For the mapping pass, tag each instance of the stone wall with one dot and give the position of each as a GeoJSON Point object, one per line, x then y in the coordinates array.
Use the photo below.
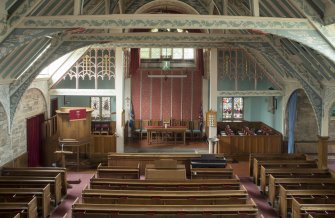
{"type": "Point", "coordinates": [6, 153]}
{"type": "Point", "coordinates": [32, 103]}
{"type": "Point", "coordinates": [306, 127]}
{"type": "Point", "coordinates": [331, 130]}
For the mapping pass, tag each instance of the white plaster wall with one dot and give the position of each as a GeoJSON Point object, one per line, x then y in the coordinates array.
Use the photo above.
{"type": "Point", "coordinates": [6, 153]}
{"type": "Point", "coordinates": [32, 103]}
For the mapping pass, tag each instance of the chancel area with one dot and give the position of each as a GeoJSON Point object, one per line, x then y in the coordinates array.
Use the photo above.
{"type": "Point", "coordinates": [176, 108]}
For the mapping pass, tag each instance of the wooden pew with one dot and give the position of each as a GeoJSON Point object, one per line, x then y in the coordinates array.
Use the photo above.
{"type": "Point", "coordinates": [212, 173]}
{"type": "Point", "coordinates": [260, 157]}
{"type": "Point", "coordinates": [304, 207]}
{"type": "Point", "coordinates": [42, 195]}
{"type": "Point", "coordinates": [131, 159]}
{"type": "Point", "coordinates": [37, 171]}
{"type": "Point", "coordinates": [294, 172]}
{"type": "Point", "coordinates": [309, 182]}
{"type": "Point", "coordinates": [25, 208]}
{"type": "Point", "coordinates": [286, 194]}
{"type": "Point", "coordinates": [213, 184]}
{"type": "Point", "coordinates": [4, 214]}
{"type": "Point", "coordinates": [86, 210]}
{"type": "Point", "coordinates": [320, 215]}
{"type": "Point", "coordinates": [154, 197]}
{"type": "Point", "coordinates": [121, 172]}
{"type": "Point", "coordinates": [26, 181]}
{"type": "Point", "coordinates": [279, 164]}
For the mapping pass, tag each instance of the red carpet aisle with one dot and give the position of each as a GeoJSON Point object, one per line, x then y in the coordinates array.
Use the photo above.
{"type": "Point", "coordinates": [254, 193]}
{"type": "Point", "coordinates": [72, 193]}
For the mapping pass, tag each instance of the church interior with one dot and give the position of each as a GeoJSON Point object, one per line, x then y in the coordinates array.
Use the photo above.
{"type": "Point", "coordinates": [167, 108]}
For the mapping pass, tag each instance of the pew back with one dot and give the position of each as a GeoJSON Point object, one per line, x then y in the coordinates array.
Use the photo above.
{"type": "Point", "coordinates": [37, 171]}
{"type": "Point", "coordinates": [279, 164]}
{"type": "Point", "coordinates": [213, 184]}
{"type": "Point", "coordinates": [42, 194]}
{"type": "Point", "coordinates": [274, 184]}
{"type": "Point", "coordinates": [286, 194]}
{"type": "Point", "coordinates": [290, 172]}
{"type": "Point", "coordinates": [85, 210]}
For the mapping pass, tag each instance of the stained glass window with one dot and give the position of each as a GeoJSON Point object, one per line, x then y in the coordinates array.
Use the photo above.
{"type": "Point", "coordinates": [101, 107]}
{"type": "Point", "coordinates": [238, 108]}
{"type": "Point", "coordinates": [106, 107]}
{"type": "Point", "coordinates": [232, 108]}
{"type": "Point", "coordinates": [95, 105]}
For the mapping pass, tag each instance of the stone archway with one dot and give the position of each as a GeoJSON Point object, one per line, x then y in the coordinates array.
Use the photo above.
{"type": "Point", "coordinates": [32, 103]}
{"type": "Point", "coordinates": [6, 153]}
{"type": "Point", "coordinates": [306, 128]}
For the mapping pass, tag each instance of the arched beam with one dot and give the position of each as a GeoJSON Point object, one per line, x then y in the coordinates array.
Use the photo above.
{"type": "Point", "coordinates": [21, 37]}
{"type": "Point", "coordinates": [18, 88]}
{"type": "Point", "coordinates": [17, 17]}
{"type": "Point", "coordinates": [297, 29]}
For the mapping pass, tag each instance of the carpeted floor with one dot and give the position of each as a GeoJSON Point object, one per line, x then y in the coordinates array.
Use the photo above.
{"type": "Point", "coordinates": [72, 193]}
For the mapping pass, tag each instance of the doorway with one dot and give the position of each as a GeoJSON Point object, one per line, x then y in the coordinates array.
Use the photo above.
{"type": "Point", "coordinates": [34, 140]}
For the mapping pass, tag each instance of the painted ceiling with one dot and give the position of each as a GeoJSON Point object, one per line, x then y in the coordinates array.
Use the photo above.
{"type": "Point", "coordinates": [300, 45]}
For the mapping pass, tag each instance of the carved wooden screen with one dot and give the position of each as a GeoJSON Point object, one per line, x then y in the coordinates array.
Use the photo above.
{"type": "Point", "coordinates": [94, 70]}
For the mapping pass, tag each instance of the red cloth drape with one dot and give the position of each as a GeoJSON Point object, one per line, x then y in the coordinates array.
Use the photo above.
{"type": "Point", "coordinates": [200, 61]}
{"type": "Point", "coordinates": [134, 60]}
{"type": "Point", "coordinates": [34, 139]}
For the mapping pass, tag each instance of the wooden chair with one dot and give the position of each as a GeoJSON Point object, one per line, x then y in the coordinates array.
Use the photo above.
{"type": "Point", "coordinates": [196, 131]}
{"type": "Point", "coordinates": [156, 135]}
{"type": "Point", "coordinates": [167, 121]}
{"type": "Point", "coordinates": [105, 128]}
{"type": "Point", "coordinates": [176, 122]}
{"type": "Point", "coordinates": [96, 129]}
{"type": "Point", "coordinates": [187, 123]}
{"type": "Point", "coordinates": [137, 128]}
{"type": "Point", "coordinates": [144, 124]}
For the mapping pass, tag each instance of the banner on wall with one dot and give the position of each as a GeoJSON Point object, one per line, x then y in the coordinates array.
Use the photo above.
{"type": "Point", "coordinates": [77, 114]}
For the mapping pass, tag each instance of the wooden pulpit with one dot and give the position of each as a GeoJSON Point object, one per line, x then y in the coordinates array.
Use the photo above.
{"type": "Point", "coordinates": [74, 127]}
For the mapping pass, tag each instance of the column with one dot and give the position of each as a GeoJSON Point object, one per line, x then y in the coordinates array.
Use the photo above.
{"type": "Point", "coordinates": [127, 98]}
{"type": "Point", "coordinates": [205, 100]}
{"type": "Point", "coordinates": [119, 89]}
{"type": "Point", "coordinates": [213, 75]}
{"type": "Point", "coordinates": [323, 152]}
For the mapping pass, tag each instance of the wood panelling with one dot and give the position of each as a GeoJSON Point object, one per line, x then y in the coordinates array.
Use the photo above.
{"type": "Point", "coordinates": [20, 161]}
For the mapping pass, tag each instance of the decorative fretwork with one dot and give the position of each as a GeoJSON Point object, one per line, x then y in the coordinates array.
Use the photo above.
{"type": "Point", "coordinates": [96, 63]}
{"type": "Point", "coordinates": [237, 64]}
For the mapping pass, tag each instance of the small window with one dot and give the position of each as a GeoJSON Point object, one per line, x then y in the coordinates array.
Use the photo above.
{"type": "Point", "coordinates": [232, 108]}
{"type": "Point", "coordinates": [155, 53]}
{"type": "Point", "coordinates": [177, 53]}
{"type": "Point", "coordinates": [188, 53]}
{"type": "Point", "coordinates": [145, 53]}
{"type": "Point", "coordinates": [168, 53]}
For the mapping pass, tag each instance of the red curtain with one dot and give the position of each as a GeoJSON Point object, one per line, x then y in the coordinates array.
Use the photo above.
{"type": "Point", "coordinates": [200, 61]}
{"type": "Point", "coordinates": [134, 60]}
{"type": "Point", "coordinates": [34, 139]}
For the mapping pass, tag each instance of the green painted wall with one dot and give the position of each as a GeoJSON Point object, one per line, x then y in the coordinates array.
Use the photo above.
{"type": "Point", "coordinates": [82, 101]}
{"type": "Point", "coordinates": [256, 109]}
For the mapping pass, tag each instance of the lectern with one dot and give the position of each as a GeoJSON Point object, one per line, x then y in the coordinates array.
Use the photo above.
{"type": "Point", "coordinates": [74, 127]}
